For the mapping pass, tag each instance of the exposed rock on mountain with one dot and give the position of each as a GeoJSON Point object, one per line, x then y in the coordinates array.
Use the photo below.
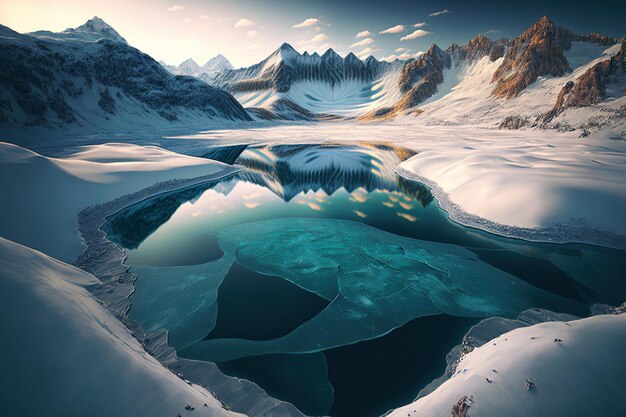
{"type": "Point", "coordinates": [93, 30]}
{"type": "Point", "coordinates": [419, 78]}
{"type": "Point", "coordinates": [590, 88]}
{"type": "Point", "coordinates": [537, 52]}
{"type": "Point", "coordinates": [78, 82]}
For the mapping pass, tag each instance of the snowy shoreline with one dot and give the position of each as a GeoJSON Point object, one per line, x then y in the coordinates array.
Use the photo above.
{"type": "Point", "coordinates": [572, 231]}
{"type": "Point", "coordinates": [106, 261]}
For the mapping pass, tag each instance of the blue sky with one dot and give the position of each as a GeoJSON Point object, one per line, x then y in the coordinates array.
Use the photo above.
{"type": "Point", "coordinates": [245, 31]}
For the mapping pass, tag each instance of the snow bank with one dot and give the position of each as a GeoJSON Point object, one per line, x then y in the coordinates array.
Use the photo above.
{"type": "Point", "coordinates": [576, 368]}
{"type": "Point", "coordinates": [65, 354]}
{"type": "Point", "coordinates": [43, 196]}
{"type": "Point", "coordinates": [528, 184]}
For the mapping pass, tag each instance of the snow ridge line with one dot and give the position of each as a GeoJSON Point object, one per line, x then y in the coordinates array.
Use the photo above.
{"type": "Point", "coordinates": [575, 230]}
{"type": "Point", "coordinates": [105, 260]}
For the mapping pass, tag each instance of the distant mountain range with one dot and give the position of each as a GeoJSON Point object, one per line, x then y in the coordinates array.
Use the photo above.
{"type": "Point", "coordinates": [548, 77]}
{"type": "Point", "coordinates": [90, 78]}
{"type": "Point", "coordinates": [485, 81]}
{"type": "Point", "coordinates": [205, 72]}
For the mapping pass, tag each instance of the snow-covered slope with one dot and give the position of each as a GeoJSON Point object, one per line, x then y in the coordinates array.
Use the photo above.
{"type": "Point", "coordinates": [554, 369]}
{"type": "Point", "coordinates": [100, 86]}
{"type": "Point", "coordinates": [465, 96]}
{"type": "Point", "coordinates": [526, 84]}
{"type": "Point", "coordinates": [65, 354]}
{"type": "Point", "coordinates": [43, 196]}
{"type": "Point", "coordinates": [527, 183]}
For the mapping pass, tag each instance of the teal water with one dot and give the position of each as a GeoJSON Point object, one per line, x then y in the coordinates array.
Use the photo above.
{"type": "Point", "coordinates": [318, 273]}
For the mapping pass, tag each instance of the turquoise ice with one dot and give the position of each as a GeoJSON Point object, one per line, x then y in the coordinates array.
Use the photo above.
{"type": "Point", "coordinates": [181, 299]}
{"type": "Point", "coordinates": [376, 281]}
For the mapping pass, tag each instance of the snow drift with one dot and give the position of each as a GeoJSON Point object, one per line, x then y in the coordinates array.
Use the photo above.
{"type": "Point", "coordinates": [65, 354]}
{"type": "Point", "coordinates": [550, 369]}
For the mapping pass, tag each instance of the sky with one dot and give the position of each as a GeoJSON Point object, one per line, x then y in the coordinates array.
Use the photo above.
{"type": "Point", "coordinates": [247, 31]}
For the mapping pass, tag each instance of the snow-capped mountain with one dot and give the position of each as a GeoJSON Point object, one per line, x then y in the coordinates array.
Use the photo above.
{"type": "Point", "coordinates": [99, 85]}
{"type": "Point", "coordinates": [548, 76]}
{"type": "Point", "coordinates": [205, 72]}
{"type": "Point", "coordinates": [93, 30]}
{"type": "Point", "coordinates": [547, 71]}
{"type": "Point", "coordinates": [294, 85]}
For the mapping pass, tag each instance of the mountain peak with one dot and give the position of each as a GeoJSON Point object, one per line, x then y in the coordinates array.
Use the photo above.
{"type": "Point", "coordinates": [286, 47]}
{"type": "Point", "coordinates": [330, 54]}
{"type": "Point", "coordinates": [97, 26]}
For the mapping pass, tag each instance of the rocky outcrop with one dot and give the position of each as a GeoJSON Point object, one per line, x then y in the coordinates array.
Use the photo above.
{"type": "Point", "coordinates": [589, 88]}
{"type": "Point", "coordinates": [419, 78]}
{"type": "Point", "coordinates": [513, 122]}
{"type": "Point", "coordinates": [479, 47]}
{"type": "Point", "coordinates": [536, 52]}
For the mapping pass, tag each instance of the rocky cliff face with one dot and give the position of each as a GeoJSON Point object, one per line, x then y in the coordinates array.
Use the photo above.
{"type": "Point", "coordinates": [536, 52]}
{"type": "Point", "coordinates": [54, 83]}
{"type": "Point", "coordinates": [419, 78]}
{"type": "Point", "coordinates": [590, 88]}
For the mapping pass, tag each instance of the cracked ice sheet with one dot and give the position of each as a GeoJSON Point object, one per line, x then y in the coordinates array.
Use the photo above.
{"type": "Point", "coordinates": [377, 281]}
{"type": "Point", "coordinates": [181, 299]}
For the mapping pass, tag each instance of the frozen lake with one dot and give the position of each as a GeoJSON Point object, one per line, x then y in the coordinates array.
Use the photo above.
{"type": "Point", "coordinates": [325, 278]}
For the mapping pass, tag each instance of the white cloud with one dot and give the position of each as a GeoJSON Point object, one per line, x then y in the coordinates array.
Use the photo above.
{"type": "Point", "coordinates": [187, 20]}
{"type": "Point", "coordinates": [419, 24]}
{"type": "Point", "coordinates": [493, 31]}
{"type": "Point", "coordinates": [419, 33]}
{"type": "Point", "coordinates": [394, 29]}
{"type": "Point", "coordinates": [175, 8]}
{"type": "Point", "coordinates": [204, 17]}
{"type": "Point", "coordinates": [366, 52]}
{"type": "Point", "coordinates": [312, 21]}
{"type": "Point", "coordinates": [252, 33]}
{"type": "Point", "coordinates": [440, 12]}
{"type": "Point", "coordinates": [363, 42]}
{"type": "Point", "coordinates": [242, 23]}
{"type": "Point", "coordinates": [404, 57]}
{"type": "Point", "coordinates": [320, 37]}
{"type": "Point", "coordinates": [401, 50]}
{"type": "Point", "coordinates": [363, 34]}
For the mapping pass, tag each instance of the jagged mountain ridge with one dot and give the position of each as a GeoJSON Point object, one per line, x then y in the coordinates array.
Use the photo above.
{"type": "Point", "coordinates": [65, 82]}
{"type": "Point", "coordinates": [286, 66]}
{"type": "Point", "coordinates": [290, 85]}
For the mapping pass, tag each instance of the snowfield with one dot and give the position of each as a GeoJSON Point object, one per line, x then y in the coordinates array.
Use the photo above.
{"type": "Point", "coordinates": [65, 354]}
{"type": "Point", "coordinates": [43, 196]}
{"type": "Point", "coordinates": [576, 368]}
